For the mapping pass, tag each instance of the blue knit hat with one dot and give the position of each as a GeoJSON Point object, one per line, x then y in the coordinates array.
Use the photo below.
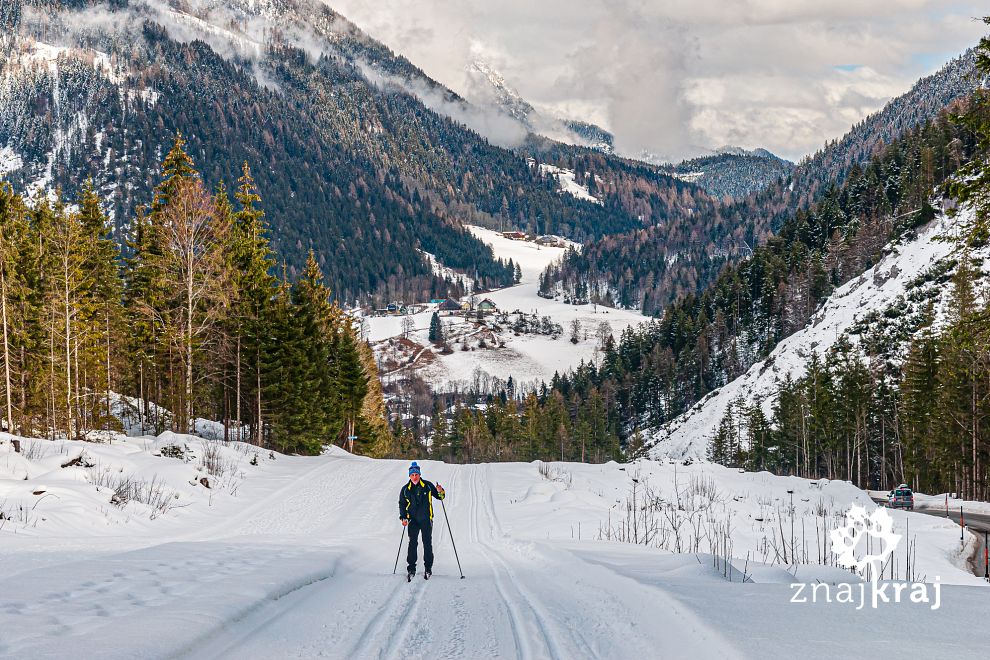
{"type": "Point", "coordinates": [413, 469]}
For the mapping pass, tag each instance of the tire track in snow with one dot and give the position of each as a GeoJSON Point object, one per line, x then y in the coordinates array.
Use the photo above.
{"type": "Point", "coordinates": [458, 595]}
{"type": "Point", "coordinates": [515, 621]}
{"type": "Point", "coordinates": [454, 645]}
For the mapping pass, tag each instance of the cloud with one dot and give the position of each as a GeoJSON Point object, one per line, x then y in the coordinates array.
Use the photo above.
{"type": "Point", "coordinates": [677, 76]}
{"type": "Point", "coordinates": [243, 33]}
{"type": "Point", "coordinates": [497, 127]}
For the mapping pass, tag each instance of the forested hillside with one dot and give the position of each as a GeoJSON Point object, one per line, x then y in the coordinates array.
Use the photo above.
{"type": "Point", "coordinates": [904, 395]}
{"type": "Point", "coordinates": [652, 267]}
{"type": "Point", "coordinates": [647, 377]}
{"type": "Point", "coordinates": [734, 174]}
{"type": "Point", "coordinates": [362, 156]}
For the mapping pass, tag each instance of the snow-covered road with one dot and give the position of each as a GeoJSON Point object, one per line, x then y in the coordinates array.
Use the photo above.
{"type": "Point", "coordinates": [296, 566]}
{"type": "Point", "coordinates": [515, 601]}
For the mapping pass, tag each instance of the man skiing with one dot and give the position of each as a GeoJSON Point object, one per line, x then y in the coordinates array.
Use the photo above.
{"type": "Point", "coordinates": [416, 514]}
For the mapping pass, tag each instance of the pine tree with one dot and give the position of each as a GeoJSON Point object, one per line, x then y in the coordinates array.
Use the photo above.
{"type": "Point", "coordinates": [758, 455]}
{"type": "Point", "coordinates": [972, 186]}
{"type": "Point", "coordinates": [254, 285]}
{"type": "Point", "coordinates": [922, 460]}
{"type": "Point", "coordinates": [376, 438]}
{"type": "Point", "coordinates": [102, 311]}
{"type": "Point", "coordinates": [436, 329]}
{"type": "Point", "coordinates": [291, 385]}
{"type": "Point", "coordinates": [352, 381]}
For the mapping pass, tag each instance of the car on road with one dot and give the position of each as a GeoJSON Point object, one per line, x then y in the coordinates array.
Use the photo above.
{"type": "Point", "coordinates": [901, 498]}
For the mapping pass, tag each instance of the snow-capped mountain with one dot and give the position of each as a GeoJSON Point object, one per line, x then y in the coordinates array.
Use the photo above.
{"type": "Point", "coordinates": [489, 87]}
{"type": "Point", "coordinates": [740, 151]}
{"type": "Point", "coordinates": [96, 90]}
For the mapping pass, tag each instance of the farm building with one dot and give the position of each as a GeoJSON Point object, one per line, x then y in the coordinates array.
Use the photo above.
{"type": "Point", "coordinates": [450, 305]}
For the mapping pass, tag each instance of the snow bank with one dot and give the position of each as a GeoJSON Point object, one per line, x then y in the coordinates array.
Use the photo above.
{"type": "Point", "coordinates": [9, 160]}
{"type": "Point", "coordinates": [290, 559]}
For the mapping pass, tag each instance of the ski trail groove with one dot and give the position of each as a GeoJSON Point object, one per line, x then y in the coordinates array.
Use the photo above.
{"type": "Point", "coordinates": [510, 591]}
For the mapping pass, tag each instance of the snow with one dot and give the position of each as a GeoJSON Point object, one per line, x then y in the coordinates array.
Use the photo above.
{"type": "Point", "coordinates": [568, 183]}
{"type": "Point", "coordinates": [690, 177]}
{"type": "Point", "coordinates": [448, 273]}
{"type": "Point", "coordinates": [527, 358]}
{"type": "Point", "coordinates": [49, 55]}
{"type": "Point", "coordinates": [874, 290]}
{"type": "Point", "coordinates": [220, 37]}
{"type": "Point", "coordinates": [9, 160]}
{"type": "Point", "coordinates": [289, 558]}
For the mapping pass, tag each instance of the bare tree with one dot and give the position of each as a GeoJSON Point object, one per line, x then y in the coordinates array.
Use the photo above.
{"type": "Point", "coordinates": [194, 265]}
{"type": "Point", "coordinates": [408, 326]}
{"type": "Point", "coordinates": [602, 334]}
{"type": "Point", "coordinates": [575, 331]}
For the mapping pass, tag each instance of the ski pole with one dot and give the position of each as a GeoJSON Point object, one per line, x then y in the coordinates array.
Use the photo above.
{"type": "Point", "coordinates": [444, 506]}
{"type": "Point", "coordinates": [399, 551]}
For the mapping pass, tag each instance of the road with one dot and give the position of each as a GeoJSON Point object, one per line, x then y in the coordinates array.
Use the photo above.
{"type": "Point", "coordinates": [977, 523]}
{"type": "Point", "coordinates": [297, 567]}
{"type": "Point", "coordinates": [512, 604]}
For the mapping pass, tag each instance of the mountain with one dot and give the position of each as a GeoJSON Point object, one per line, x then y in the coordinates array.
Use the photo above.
{"type": "Point", "coordinates": [489, 87]}
{"type": "Point", "coordinates": [727, 172]}
{"type": "Point", "coordinates": [651, 267]}
{"type": "Point", "coordinates": [856, 279]}
{"type": "Point", "coordinates": [358, 155]}
{"type": "Point", "coordinates": [733, 172]}
{"type": "Point", "coordinates": [911, 275]}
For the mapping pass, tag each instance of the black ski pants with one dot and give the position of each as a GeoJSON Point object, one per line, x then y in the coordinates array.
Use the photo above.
{"type": "Point", "coordinates": [414, 528]}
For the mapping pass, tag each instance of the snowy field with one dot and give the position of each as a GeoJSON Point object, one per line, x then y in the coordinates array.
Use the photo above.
{"type": "Point", "coordinates": [887, 283]}
{"type": "Point", "coordinates": [527, 358]}
{"type": "Point", "coordinates": [287, 557]}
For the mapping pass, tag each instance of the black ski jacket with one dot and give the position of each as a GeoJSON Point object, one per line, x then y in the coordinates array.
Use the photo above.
{"type": "Point", "coordinates": [416, 502]}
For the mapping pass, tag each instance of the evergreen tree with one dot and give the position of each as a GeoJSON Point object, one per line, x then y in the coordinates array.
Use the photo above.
{"type": "Point", "coordinates": [436, 329]}
{"type": "Point", "coordinates": [254, 285]}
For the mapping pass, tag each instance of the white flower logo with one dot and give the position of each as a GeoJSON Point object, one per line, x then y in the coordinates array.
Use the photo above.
{"type": "Point", "coordinates": [858, 524]}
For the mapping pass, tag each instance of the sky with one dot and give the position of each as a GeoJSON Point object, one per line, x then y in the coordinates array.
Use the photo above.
{"type": "Point", "coordinates": [678, 77]}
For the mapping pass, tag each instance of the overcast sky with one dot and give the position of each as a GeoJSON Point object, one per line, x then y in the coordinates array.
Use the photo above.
{"type": "Point", "coordinates": [676, 77]}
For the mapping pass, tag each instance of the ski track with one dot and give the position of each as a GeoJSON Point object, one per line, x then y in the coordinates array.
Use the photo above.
{"type": "Point", "coordinates": [510, 605]}
{"type": "Point", "coordinates": [514, 594]}
{"type": "Point", "coordinates": [522, 598]}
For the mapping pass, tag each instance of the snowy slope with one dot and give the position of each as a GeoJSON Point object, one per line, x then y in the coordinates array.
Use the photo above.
{"type": "Point", "coordinates": [528, 358]}
{"type": "Point", "coordinates": [568, 184]}
{"type": "Point", "coordinates": [9, 160]}
{"type": "Point", "coordinates": [290, 559]}
{"type": "Point", "coordinates": [883, 285]}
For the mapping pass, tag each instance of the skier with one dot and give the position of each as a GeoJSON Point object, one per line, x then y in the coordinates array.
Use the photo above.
{"type": "Point", "coordinates": [416, 514]}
